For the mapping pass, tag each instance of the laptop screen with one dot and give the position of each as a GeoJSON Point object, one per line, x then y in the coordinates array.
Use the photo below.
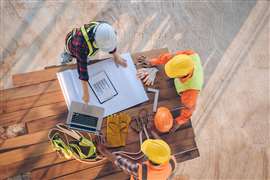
{"type": "Point", "coordinates": [85, 120]}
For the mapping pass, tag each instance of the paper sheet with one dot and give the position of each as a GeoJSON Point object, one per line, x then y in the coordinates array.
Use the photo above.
{"type": "Point", "coordinates": [129, 91]}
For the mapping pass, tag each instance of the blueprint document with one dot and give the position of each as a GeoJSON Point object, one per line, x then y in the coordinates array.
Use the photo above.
{"type": "Point", "coordinates": [111, 87]}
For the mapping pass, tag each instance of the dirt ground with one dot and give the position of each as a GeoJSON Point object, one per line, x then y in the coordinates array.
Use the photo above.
{"type": "Point", "coordinates": [232, 118]}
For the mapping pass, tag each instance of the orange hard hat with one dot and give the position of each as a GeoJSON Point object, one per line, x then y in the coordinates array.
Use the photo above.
{"type": "Point", "coordinates": [163, 119]}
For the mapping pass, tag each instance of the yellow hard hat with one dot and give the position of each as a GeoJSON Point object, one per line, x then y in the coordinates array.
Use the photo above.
{"type": "Point", "coordinates": [156, 150]}
{"type": "Point", "coordinates": [179, 66]}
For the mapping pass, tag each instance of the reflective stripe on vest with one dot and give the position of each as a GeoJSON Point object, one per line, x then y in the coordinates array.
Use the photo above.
{"type": "Point", "coordinates": [196, 81]}
{"type": "Point", "coordinates": [68, 38]}
{"type": "Point", "coordinates": [90, 43]}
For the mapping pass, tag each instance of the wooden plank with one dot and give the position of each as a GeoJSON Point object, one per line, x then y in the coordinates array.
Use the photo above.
{"type": "Point", "coordinates": [25, 153]}
{"type": "Point", "coordinates": [64, 168]}
{"type": "Point", "coordinates": [50, 73]}
{"type": "Point", "coordinates": [33, 101]}
{"type": "Point", "coordinates": [92, 173]}
{"type": "Point", "coordinates": [45, 123]}
{"type": "Point", "coordinates": [118, 175]}
{"type": "Point", "coordinates": [184, 136]}
{"type": "Point", "coordinates": [30, 164]}
{"type": "Point", "coordinates": [32, 114]}
{"type": "Point", "coordinates": [24, 140]}
{"type": "Point", "coordinates": [31, 90]}
{"type": "Point", "coordinates": [30, 78]}
{"type": "Point", "coordinates": [187, 156]}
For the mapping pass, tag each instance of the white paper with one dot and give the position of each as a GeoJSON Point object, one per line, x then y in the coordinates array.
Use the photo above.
{"type": "Point", "coordinates": [130, 90]}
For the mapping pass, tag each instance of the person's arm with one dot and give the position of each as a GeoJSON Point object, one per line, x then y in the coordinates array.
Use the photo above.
{"type": "Point", "coordinates": [123, 163]}
{"type": "Point", "coordinates": [102, 149]}
{"type": "Point", "coordinates": [161, 60]}
{"type": "Point", "coordinates": [188, 100]}
{"type": "Point", "coordinates": [164, 58]}
{"type": "Point", "coordinates": [85, 91]}
{"type": "Point", "coordinates": [83, 76]}
{"type": "Point", "coordinates": [117, 58]}
{"type": "Point", "coordinates": [187, 52]}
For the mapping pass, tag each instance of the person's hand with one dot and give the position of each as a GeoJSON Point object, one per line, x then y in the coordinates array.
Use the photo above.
{"type": "Point", "coordinates": [119, 60]}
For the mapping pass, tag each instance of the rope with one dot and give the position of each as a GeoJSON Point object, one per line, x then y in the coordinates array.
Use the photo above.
{"type": "Point", "coordinates": [76, 135]}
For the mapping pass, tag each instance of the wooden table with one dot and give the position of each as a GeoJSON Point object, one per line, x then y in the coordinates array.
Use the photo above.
{"type": "Point", "coordinates": [37, 101]}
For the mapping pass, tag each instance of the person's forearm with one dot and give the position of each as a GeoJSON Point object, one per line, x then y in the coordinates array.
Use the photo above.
{"type": "Point", "coordinates": [85, 92]}
{"type": "Point", "coordinates": [84, 86]}
{"type": "Point", "coordinates": [110, 156]}
{"type": "Point", "coordinates": [188, 100]}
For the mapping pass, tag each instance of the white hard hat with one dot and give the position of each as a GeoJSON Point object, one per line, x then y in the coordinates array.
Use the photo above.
{"type": "Point", "coordinates": [105, 37]}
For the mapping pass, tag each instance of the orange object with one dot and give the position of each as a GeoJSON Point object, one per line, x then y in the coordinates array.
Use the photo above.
{"type": "Point", "coordinates": [187, 52]}
{"type": "Point", "coordinates": [148, 171]}
{"type": "Point", "coordinates": [163, 119]}
{"type": "Point", "coordinates": [188, 99]}
{"type": "Point", "coordinates": [162, 59]}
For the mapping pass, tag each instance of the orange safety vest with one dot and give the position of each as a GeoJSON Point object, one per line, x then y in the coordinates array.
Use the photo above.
{"type": "Point", "coordinates": [147, 171]}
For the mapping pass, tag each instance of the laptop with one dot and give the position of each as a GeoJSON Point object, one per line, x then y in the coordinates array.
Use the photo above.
{"type": "Point", "coordinates": [84, 117]}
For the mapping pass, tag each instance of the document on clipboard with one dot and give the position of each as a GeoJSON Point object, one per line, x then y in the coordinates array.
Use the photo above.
{"type": "Point", "coordinates": [102, 87]}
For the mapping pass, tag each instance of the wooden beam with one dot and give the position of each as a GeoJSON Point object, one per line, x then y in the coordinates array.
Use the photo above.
{"type": "Point", "coordinates": [35, 77]}
{"type": "Point", "coordinates": [32, 101]}
{"type": "Point", "coordinates": [22, 154]}
{"type": "Point", "coordinates": [31, 90]}
{"type": "Point", "coordinates": [118, 175]}
{"type": "Point", "coordinates": [24, 140]}
{"type": "Point", "coordinates": [32, 114]}
{"type": "Point", "coordinates": [45, 123]}
{"type": "Point", "coordinates": [29, 164]}
{"type": "Point", "coordinates": [65, 168]}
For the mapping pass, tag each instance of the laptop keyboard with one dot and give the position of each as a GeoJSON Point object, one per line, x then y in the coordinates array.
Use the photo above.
{"type": "Point", "coordinates": [85, 120]}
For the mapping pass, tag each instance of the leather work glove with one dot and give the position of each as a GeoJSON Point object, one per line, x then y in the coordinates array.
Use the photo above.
{"type": "Point", "coordinates": [117, 129]}
{"type": "Point", "coordinates": [147, 75]}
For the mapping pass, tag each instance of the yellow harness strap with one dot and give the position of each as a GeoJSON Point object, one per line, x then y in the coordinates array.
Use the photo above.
{"type": "Point", "coordinates": [86, 38]}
